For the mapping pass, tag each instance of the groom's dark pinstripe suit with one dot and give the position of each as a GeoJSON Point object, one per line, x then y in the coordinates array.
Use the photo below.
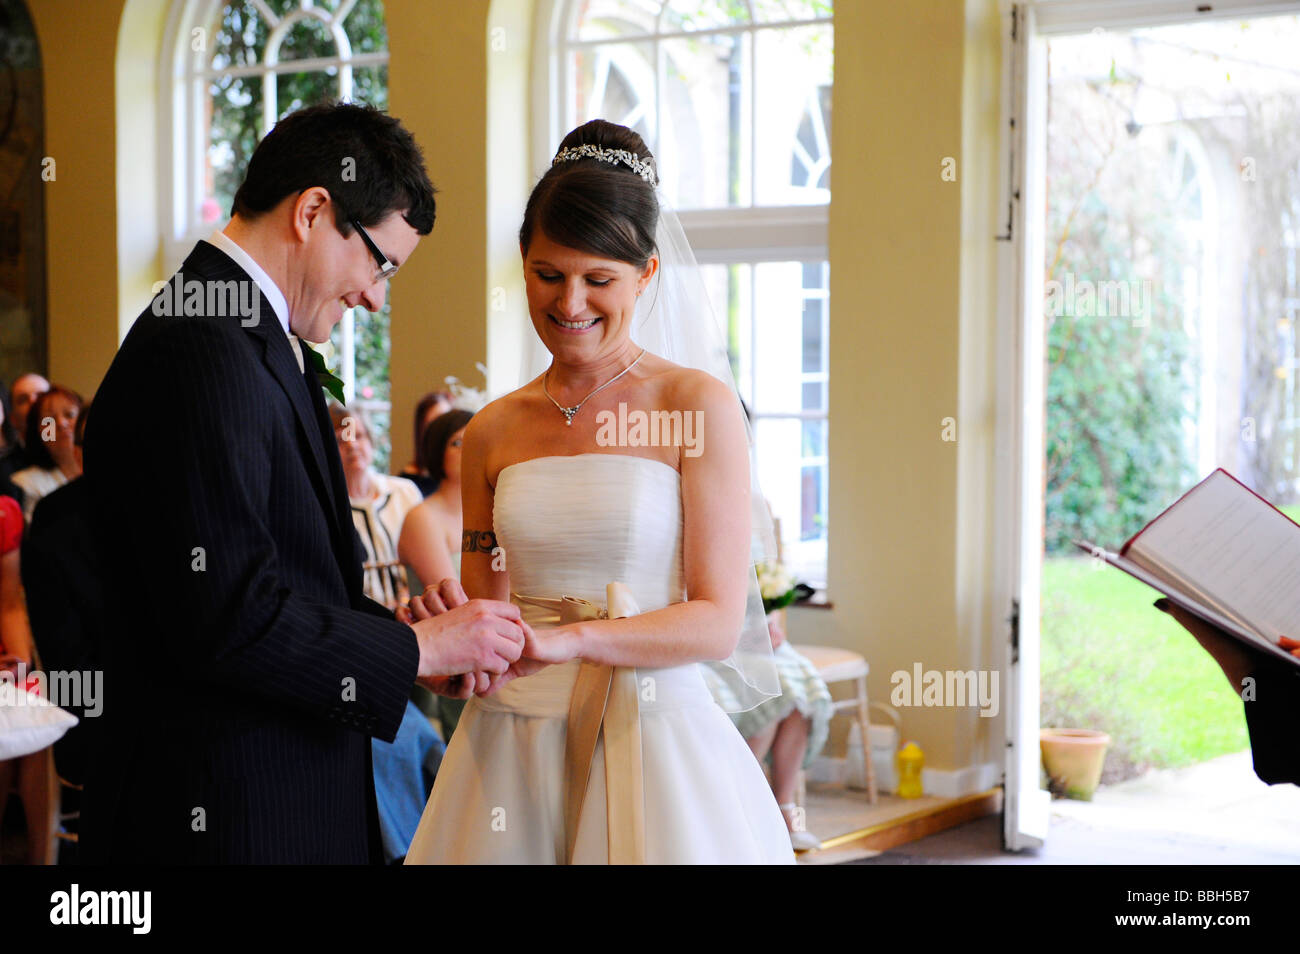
{"type": "Point", "coordinates": [244, 678]}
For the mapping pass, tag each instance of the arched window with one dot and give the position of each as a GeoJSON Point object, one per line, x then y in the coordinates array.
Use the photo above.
{"type": "Point", "coordinates": [734, 98]}
{"type": "Point", "coordinates": [233, 70]}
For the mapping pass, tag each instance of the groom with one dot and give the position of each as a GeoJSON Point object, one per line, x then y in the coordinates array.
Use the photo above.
{"type": "Point", "coordinates": [245, 670]}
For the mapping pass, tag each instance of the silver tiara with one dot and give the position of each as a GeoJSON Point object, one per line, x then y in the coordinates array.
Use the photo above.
{"type": "Point", "coordinates": [645, 169]}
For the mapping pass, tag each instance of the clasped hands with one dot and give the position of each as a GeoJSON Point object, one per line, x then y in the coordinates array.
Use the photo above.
{"type": "Point", "coordinates": [470, 647]}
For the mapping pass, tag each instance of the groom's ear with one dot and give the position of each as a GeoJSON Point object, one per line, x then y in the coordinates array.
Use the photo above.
{"type": "Point", "coordinates": [310, 209]}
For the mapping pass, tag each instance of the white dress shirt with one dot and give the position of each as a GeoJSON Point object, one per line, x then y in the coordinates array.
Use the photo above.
{"type": "Point", "coordinates": [268, 288]}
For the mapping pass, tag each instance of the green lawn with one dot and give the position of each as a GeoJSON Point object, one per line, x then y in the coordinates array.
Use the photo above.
{"type": "Point", "coordinates": [1113, 662]}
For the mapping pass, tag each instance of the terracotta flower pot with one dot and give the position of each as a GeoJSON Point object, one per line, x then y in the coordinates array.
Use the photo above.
{"type": "Point", "coordinates": [1073, 760]}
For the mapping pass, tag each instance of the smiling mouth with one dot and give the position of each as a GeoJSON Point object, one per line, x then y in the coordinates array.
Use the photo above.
{"type": "Point", "coordinates": [574, 325]}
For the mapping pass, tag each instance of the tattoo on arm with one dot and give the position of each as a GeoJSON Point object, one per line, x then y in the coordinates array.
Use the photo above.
{"type": "Point", "coordinates": [478, 541]}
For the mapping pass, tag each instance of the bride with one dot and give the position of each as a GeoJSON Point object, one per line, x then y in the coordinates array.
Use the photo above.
{"type": "Point", "coordinates": [629, 556]}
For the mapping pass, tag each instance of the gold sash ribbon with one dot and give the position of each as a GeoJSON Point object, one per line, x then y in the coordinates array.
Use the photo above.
{"type": "Point", "coordinates": [604, 700]}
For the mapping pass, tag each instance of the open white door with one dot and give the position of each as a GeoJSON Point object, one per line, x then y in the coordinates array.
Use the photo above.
{"type": "Point", "coordinates": [1021, 354]}
{"type": "Point", "coordinates": [1026, 806]}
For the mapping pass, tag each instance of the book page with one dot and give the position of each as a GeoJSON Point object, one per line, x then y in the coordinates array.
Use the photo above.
{"type": "Point", "coordinates": [1233, 547]}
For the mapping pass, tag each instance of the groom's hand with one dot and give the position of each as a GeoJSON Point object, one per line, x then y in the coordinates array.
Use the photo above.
{"type": "Point", "coordinates": [476, 636]}
{"type": "Point", "coordinates": [434, 601]}
{"type": "Point", "coordinates": [534, 658]}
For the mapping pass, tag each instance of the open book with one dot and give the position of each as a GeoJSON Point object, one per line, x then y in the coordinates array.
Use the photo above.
{"type": "Point", "coordinates": [1226, 554]}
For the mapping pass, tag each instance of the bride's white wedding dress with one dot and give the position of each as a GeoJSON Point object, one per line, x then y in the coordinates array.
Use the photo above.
{"type": "Point", "coordinates": [568, 526]}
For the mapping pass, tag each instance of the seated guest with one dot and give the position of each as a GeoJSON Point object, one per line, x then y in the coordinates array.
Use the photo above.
{"type": "Point", "coordinates": [432, 405]}
{"type": "Point", "coordinates": [35, 772]}
{"type": "Point", "coordinates": [26, 389]}
{"type": "Point", "coordinates": [791, 727]}
{"type": "Point", "coordinates": [65, 600]}
{"type": "Point", "coordinates": [430, 539]}
{"type": "Point", "coordinates": [51, 446]}
{"type": "Point", "coordinates": [379, 505]}
{"type": "Point", "coordinates": [1272, 703]}
{"type": "Point", "coordinates": [404, 769]}
{"type": "Point", "coordinates": [12, 457]}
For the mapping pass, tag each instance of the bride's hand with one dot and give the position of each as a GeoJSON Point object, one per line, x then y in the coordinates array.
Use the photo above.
{"type": "Point", "coordinates": [558, 645]}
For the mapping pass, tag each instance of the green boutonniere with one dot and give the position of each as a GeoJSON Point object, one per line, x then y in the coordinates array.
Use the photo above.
{"type": "Point", "coordinates": [327, 379]}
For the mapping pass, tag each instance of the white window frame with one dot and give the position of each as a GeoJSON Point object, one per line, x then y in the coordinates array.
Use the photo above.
{"type": "Point", "coordinates": [745, 235]}
{"type": "Point", "coordinates": [183, 107]}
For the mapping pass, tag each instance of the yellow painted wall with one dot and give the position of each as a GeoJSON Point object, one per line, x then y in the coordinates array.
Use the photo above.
{"type": "Point", "coordinates": [910, 552]}
{"type": "Point", "coordinates": [437, 86]}
{"type": "Point", "coordinates": [912, 315]}
{"type": "Point", "coordinates": [78, 49]}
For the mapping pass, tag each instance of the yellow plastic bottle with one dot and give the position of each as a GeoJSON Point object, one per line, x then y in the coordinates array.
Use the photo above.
{"type": "Point", "coordinates": [909, 761]}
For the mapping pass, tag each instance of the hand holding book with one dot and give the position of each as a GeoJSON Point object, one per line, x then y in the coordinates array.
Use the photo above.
{"type": "Point", "coordinates": [1224, 556]}
{"type": "Point", "coordinates": [1228, 563]}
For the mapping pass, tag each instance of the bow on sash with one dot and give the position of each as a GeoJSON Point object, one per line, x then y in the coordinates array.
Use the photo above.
{"type": "Point", "coordinates": [604, 700]}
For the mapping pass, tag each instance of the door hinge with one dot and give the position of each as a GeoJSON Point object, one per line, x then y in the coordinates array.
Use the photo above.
{"type": "Point", "coordinates": [1014, 620]}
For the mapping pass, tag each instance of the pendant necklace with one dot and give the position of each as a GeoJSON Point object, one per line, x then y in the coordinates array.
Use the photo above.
{"type": "Point", "coordinates": [568, 412]}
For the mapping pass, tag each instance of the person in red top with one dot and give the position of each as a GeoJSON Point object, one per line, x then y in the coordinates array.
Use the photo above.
{"type": "Point", "coordinates": [36, 779]}
{"type": "Point", "coordinates": [15, 633]}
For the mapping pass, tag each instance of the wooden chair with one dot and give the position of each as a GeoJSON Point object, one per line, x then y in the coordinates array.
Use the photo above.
{"type": "Point", "coordinates": [843, 665]}
{"type": "Point", "coordinates": [394, 569]}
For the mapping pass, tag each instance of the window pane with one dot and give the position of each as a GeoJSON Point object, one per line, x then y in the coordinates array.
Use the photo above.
{"type": "Point", "coordinates": [308, 37]}
{"type": "Point", "coordinates": [704, 149]}
{"type": "Point", "coordinates": [604, 19]}
{"type": "Point", "coordinates": [370, 86]}
{"type": "Point", "coordinates": [232, 136]}
{"type": "Point", "coordinates": [776, 445]}
{"type": "Point", "coordinates": [778, 337]}
{"type": "Point", "coordinates": [812, 275]}
{"type": "Point", "coordinates": [814, 439]}
{"type": "Point", "coordinates": [296, 90]}
{"type": "Point", "coordinates": [615, 82]}
{"type": "Point", "coordinates": [813, 348]}
{"type": "Point", "coordinates": [765, 308]}
{"type": "Point", "coordinates": [792, 136]}
{"type": "Point", "coordinates": [365, 27]}
{"type": "Point", "coordinates": [702, 14]}
{"type": "Point", "coordinates": [812, 512]}
{"type": "Point", "coordinates": [779, 11]}
{"type": "Point", "coordinates": [240, 35]}
{"type": "Point", "coordinates": [728, 288]}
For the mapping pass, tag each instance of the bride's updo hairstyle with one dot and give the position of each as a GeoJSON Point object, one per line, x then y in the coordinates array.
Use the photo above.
{"type": "Point", "coordinates": [593, 205]}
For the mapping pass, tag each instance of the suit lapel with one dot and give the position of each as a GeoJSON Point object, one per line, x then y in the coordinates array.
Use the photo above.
{"type": "Point", "coordinates": [346, 543]}
{"type": "Point", "coordinates": [277, 354]}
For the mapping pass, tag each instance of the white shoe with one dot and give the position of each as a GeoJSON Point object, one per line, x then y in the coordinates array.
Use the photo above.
{"type": "Point", "coordinates": [804, 841]}
{"type": "Point", "coordinates": [799, 840]}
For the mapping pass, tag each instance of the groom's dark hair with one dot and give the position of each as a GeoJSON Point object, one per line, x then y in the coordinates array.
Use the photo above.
{"type": "Point", "coordinates": [367, 161]}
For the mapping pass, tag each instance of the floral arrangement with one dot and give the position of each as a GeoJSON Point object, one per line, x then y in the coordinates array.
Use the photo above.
{"type": "Point", "coordinates": [778, 586]}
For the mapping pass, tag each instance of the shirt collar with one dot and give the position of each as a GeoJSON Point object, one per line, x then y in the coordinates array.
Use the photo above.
{"type": "Point", "coordinates": [270, 289]}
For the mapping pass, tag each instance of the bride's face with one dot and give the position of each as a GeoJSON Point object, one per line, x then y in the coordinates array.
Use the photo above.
{"type": "Point", "coordinates": [581, 304]}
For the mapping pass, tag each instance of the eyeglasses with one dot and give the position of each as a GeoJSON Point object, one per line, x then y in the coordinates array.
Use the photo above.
{"type": "Point", "coordinates": [386, 268]}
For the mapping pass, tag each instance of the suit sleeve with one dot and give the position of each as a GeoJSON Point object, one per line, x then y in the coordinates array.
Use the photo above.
{"type": "Point", "coordinates": [219, 609]}
{"type": "Point", "coordinates": [1273, 719]}
{"type": "Point", "coordinates": [376, 609]}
